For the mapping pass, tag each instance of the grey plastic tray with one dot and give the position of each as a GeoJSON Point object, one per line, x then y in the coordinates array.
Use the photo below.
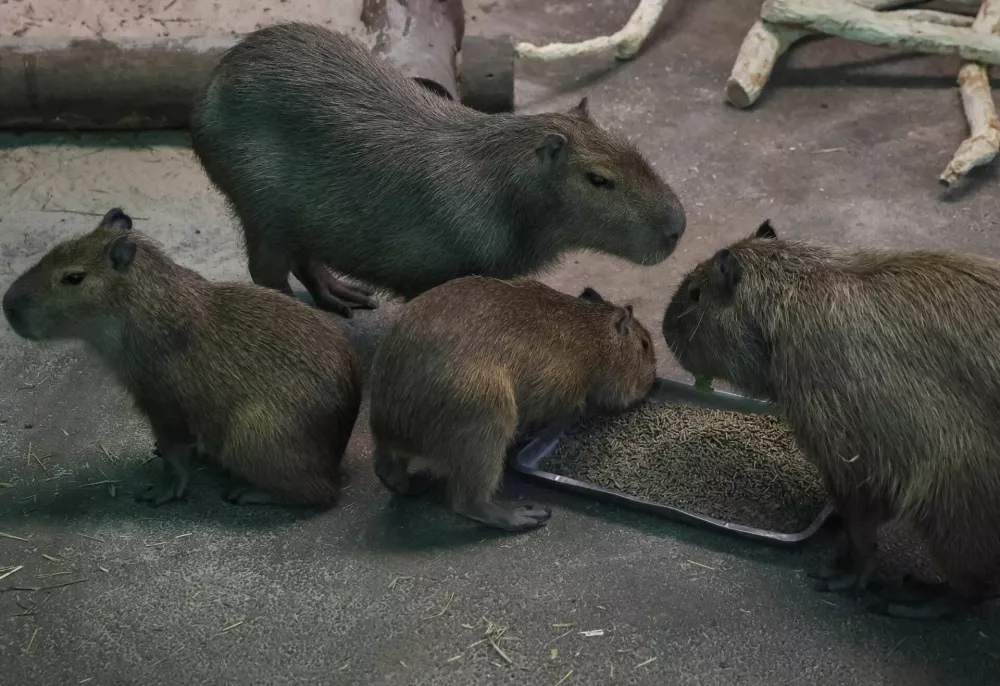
{"type": "Point", "coordinates": [527, 460]}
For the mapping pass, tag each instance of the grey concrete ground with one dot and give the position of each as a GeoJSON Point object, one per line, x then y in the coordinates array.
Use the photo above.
{"type": "Point", "coordinates": [845, 147]}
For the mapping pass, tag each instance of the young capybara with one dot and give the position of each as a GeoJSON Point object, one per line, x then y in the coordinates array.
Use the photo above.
{"type": "Point", "coordinates": [262, 384]}
{"type": "Point", "coordinates": [471, 363]}
{"type": "Point", "coordinates": [886, 366]}
{"type": "Point", "coordinates": [332, 158]}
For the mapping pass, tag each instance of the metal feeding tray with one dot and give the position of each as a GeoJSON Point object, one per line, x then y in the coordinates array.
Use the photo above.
{"type": "Point", "coordinates": [527, 459]}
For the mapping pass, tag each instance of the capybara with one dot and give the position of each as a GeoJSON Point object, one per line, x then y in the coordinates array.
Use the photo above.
{"type": "Point", "coordinates": [332, 158]}
{"type": "Point", "coordinates": [264, 385]}
{"type": "Point", "coordinates": [887, 368]}
{"type": "Point", "coordinates": [470, 364]}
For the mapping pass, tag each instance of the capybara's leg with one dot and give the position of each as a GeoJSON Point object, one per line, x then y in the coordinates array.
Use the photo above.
{"type": "Point", "coordinates": [392, 469]}
{"type": "Point", "coordinates": [268, 267]}
{"type": "Point", "coordinates": [293, 466]}
{"type": "Point", "coordinates": [968, 555]}
{"type": "Point", "coordinates": [175, 454]}
{"type": "Point", "coordinates": [331, 293]}
{"type": "Point", "coordinates": [855, 572]}
{"type": "Point", "coordinates": [475, 478]}
{"type": "Point", "coordinates": [922, 600]}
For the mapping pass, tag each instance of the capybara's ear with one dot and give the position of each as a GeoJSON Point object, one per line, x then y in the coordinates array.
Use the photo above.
{"type": "Point", "coordinates": [117, 219]}
{"type": "Point", "coordinates": [726, 271]}
{"type": "Point", "coordinates": [765, 230]}
{"type": "Point", "coordinates": [552, 150]}
{"type": "Point", "coordinates": [583, 109]}
{"type": "Point", "coordinates": [624, 321]}
{"type": "Point", "coordinates": [590, 295]}
{"type": "Point", "coordinates": [122, 253]}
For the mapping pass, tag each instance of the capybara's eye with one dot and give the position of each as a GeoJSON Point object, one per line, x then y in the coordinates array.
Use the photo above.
{"type": "Point", "coordinates": [73, 278]}
{"type": "Point", "coordinates": [599, 181]}
{"type": "Point", "coordinates": [645, 344]}
{"type": "Point", "coordinates": [694, 293]}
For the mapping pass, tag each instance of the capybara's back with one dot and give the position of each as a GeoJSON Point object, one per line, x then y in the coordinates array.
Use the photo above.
{"type": "Point", "coordinates": [887, 366]}
{"type": "Point", "coordinates": [330, 156]}
{"type": "Point", "coordinates": [470, 363]}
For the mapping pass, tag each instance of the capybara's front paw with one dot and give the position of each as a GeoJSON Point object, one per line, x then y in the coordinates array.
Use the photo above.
{"type": "Point", "coordinates": [527, 517]}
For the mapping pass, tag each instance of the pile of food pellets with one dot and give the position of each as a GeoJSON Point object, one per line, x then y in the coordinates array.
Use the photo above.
{"type": "Point", "coordinates": [740, 468]}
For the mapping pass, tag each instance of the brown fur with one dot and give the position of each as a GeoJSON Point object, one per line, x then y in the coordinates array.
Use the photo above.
{"type": "Point", "coordinates": [887, 367]}
{"type": "Point", "coordinates": [329, 155]}
{"type": "Point", "coordinates": [471, 363]}
{"type": "Point", "coordinates": [264, 385]}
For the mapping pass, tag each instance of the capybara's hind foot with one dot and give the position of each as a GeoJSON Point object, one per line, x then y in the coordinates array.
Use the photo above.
{"type": "Point", "coordinates": [912, 591]}
{"type": "Point", "coordinates": [173, 487]}
{"type": "Point", "coordinates": [935, 604]}
{"type": "Point", "coordinates": [401, 483]}
{"type": "Point", "coordinates": [248, 495]}
{"type": "Point", "coordinates": [916, 599]}
{"type": "Point", "coordinates": [848, 581]}
{"type": "Point", "coordinates": [175, 476]}
{"type": "Point", "coordinates": [522, 518]}
{"type": "Point", "coordinates": [393, 471]}
{"type": "Point", "coordinates": [335, 295]}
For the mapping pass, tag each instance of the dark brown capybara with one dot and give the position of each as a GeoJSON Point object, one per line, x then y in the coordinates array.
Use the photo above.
{"type": "Point", "coordinates": [887, 368]}
{"type": "Point", "coordinates": [470, 364]}
{"type": "Point", "coordinates": [262, 384]}
{"type": "Point", "coordinates": [332, 158]}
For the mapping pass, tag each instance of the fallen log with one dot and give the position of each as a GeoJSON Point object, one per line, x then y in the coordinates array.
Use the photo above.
{"type": "Point", "coordinates": [421, 37]}
{"type": "Point", "coordinates": [93, 83]}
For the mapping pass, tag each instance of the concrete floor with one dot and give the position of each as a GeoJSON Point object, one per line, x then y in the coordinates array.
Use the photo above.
{"type": "Point", "coordinates": [845, 147]}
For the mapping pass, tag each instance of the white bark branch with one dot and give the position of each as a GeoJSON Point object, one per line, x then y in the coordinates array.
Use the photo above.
{"type": "Point", "coordinates": [844, 19]}
{"type": "Point", "coordinates": [935, 17]}
{"type": "Point", "coordinates": [983, 143]}
{"type": "Point", "coordinates": [766, 42]}
{"type": "Point", "coordinates": [761, 48]}
{"type": "Point", "coordinates": [626, 42]}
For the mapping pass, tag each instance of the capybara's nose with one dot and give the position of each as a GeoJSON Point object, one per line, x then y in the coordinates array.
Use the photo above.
{"type": "Point", "coordinates": [674, 227]}
{"type": "Point", "coordinates": [14, 305]}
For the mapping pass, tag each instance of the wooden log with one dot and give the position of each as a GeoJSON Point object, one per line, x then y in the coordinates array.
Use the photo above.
{"type": "Point", "coordinates": [847, 20]}
{"type": "Point", "coordinates": [761, 48]}
{"type": "Point", "coordinates": [935, 17]}
{"type": "Point", "coordinates": [421, 37]}
{"type": "Point", "coordinates": [150, 83]}
{"type": "Point", "coordinates": [626, 42]}
{"type": "Point", "coordinates": [766, 42]}
{"type": "Point", "coordinates": [92, 83]}
{"type": "Point", "coordinates": [983, 143]}
{"type": "Point", "coordinates": [487, 74]}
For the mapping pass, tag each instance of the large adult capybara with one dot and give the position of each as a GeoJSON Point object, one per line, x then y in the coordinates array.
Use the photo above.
{"type": "Point", "coordinates": [471, 363]}
{"type": "Point", "coordinates": [887, 367]}
{"type": "Point", "coordinates": [331, 157]}
{"type": "Point", "coordinates": [262, 384]}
